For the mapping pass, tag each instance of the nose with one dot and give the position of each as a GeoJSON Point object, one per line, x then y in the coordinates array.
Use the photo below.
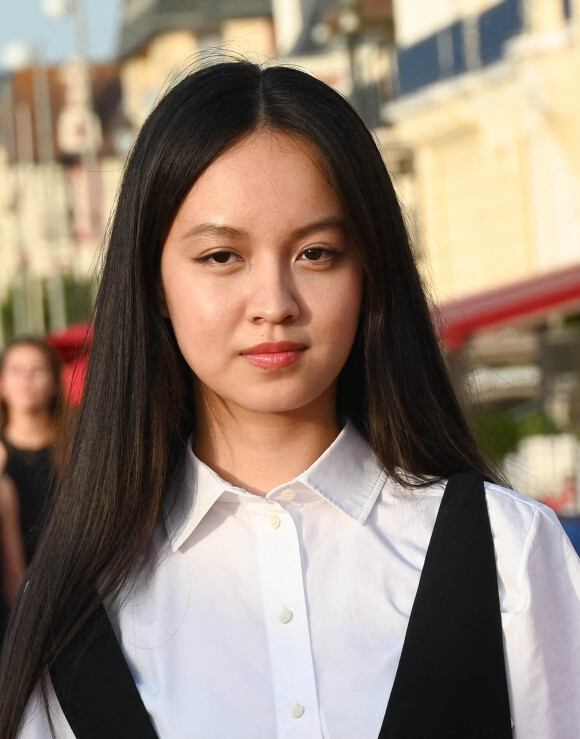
{"type": "Point", "coordinates": [272, 296]}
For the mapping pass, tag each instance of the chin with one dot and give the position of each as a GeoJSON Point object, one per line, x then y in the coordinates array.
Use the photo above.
{"type": "Point", "coordinates": [272, 408]}
{"type": "Point", "coordinates": [278, 405]}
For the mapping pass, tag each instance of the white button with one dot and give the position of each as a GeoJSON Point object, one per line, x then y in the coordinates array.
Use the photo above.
{"type": "Point", "coordinates": [274, 521]}
{"type": "Point", "coordinates": [287, 494]}
{"type": "Point", "coordinates": [285, 615]}
{"type": "Point", "coordinates": [297, 710]}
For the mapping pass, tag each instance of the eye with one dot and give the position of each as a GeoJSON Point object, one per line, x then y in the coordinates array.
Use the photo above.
{"type": "Point", "coordinates": [319, 254]}
{"type": "Point", "coordinates": [218, 257]}
{"type": "Point", "coordinates": [221, 257]}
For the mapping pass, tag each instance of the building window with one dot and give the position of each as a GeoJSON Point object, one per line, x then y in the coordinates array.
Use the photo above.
{"type": "Point", "coordinates": [418, 65]}
{"type": "Point", "coordinates": [496, 26]}
{"type": "Point", "coordinates": [467, 44]}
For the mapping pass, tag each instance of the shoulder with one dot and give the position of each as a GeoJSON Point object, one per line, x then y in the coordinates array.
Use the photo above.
{"type": "Point", "coordinates": [526, 533]}
{"type": "Point", "coordinates": [512, 499]}
{"type": "Point", "coordinates": [512, 504]}
{"type": "Point", "coordinates": [539, 593]}
{"type": "Point", "coordinates": [521, 518]}
{"type": "Point", "coordinates": [535, 559]}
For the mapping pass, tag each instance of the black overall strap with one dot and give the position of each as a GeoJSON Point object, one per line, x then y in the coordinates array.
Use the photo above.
{"type": "Point", "coordinates": [451, 680]}
{"type": "Point", "coordinates": [95, 688]}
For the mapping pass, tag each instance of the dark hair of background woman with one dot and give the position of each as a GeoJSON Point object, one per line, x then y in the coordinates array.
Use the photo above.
{"type": "Point", "coordinates": [137, 407]}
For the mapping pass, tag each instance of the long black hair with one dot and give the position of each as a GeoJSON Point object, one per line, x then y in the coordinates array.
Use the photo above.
{"type": "Point", "coordinates": [137, 407]}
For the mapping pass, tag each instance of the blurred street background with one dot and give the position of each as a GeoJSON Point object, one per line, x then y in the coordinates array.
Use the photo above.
{"type": "Point", "coordinates": [474, 103]}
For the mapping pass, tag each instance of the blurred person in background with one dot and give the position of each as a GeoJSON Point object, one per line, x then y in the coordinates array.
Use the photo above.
{"type": "Point", "coordinates": [273, 519]}
{"type": "Point", "coordinates": [31, 407]}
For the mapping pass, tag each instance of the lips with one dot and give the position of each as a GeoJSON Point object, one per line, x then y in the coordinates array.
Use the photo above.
{"type": "Point", "coordinates": [274, 355]}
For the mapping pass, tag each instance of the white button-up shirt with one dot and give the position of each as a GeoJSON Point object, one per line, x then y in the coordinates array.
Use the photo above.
{"type": "Point", "coordinates": [284, 615]}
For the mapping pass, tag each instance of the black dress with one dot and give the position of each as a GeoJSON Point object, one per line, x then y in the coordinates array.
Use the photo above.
{"type": "Point", "coordinates": [32, 472]}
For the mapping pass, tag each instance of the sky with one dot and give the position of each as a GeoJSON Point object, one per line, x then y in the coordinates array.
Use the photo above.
{"type": "Point", "coordinates": [23, 21]}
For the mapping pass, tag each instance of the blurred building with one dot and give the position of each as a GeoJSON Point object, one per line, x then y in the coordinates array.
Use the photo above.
{"type": "Point", "coordinates": [485, 100]}
{"type": "Point", "coordinates": [161, 38]}
{"type": "Point", "coordinates": [346, 43]}
{"type": "Point", "coordinates": [485, 106]}
{"type": "Point", "coordinates": [59, 171]}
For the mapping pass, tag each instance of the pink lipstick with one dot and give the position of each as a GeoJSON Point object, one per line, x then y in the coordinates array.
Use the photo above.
{"type": "Point", "coordinates": [274, 355]}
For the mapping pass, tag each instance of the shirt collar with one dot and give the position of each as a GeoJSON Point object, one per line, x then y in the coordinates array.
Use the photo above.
{"type": "Point", "coordinates": [347, 475]}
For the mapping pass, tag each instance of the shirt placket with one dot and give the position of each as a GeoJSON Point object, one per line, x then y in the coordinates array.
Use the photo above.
{"type": "Point", "coordinates": [287, 627]}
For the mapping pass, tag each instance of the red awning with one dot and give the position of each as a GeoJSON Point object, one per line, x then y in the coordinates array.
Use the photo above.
{"type": "Point", "coordinates": [72, 342]}
{"type": "Point", "coordinates": [528, 301]}
{"type": "Point", "coordinates": [73, 345]}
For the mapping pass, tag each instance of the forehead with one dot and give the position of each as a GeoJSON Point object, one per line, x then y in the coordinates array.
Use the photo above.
{"type": "Point", "coordinates": [21, 354]}
{"type": "Point", "coordinates": [288, 149]}
{"type": "Point", "coordinates": [268, 170]}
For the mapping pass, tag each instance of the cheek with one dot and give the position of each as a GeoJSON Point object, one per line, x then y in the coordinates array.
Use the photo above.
{"type": "Point", "coordinates": [192, 303]}
{"type": "Point", "coordinates": [11, 383]}
{"type": "Point", "coordinates": [343, 308]}
{"type": "Point", "coordinates": [198, 321]}
{"type": "Point", "coordinates": [201, 326]}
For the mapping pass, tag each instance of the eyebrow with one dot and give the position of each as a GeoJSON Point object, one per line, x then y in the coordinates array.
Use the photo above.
{"type": "Point", "coordinates": [223, 231]}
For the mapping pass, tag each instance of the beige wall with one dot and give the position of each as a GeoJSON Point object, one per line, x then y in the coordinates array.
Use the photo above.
{"type": "Point", "coordinates": [252, 38]}
{"type": "Point", "coordinates": [145, 74]}
{"type": "Point", "coordinates": [497, 167]}
{"type": "Point", "coordinates": [544, 15]}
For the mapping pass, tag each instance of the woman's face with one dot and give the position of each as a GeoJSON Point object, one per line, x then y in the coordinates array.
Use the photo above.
{"type": "Point", "coordinates": [27, 383]}
{"type": "Point", "coordinates": [260, 280]}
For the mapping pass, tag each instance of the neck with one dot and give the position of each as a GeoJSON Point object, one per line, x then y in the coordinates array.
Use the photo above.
{"type": "Point", "coordinates": [31, 430]}
{"type": "Point", "coordinates": [259, 451]}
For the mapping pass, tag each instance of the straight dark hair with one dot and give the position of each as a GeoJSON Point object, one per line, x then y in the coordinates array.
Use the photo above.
{"type": "Point", "coordinates": [137, 409]}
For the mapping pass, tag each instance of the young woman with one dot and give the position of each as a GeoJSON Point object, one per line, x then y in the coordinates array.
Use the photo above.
{"type": "Point", "coordinates": [30, 414]}
{"type": "Point", "coordinates": [257, 486]}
